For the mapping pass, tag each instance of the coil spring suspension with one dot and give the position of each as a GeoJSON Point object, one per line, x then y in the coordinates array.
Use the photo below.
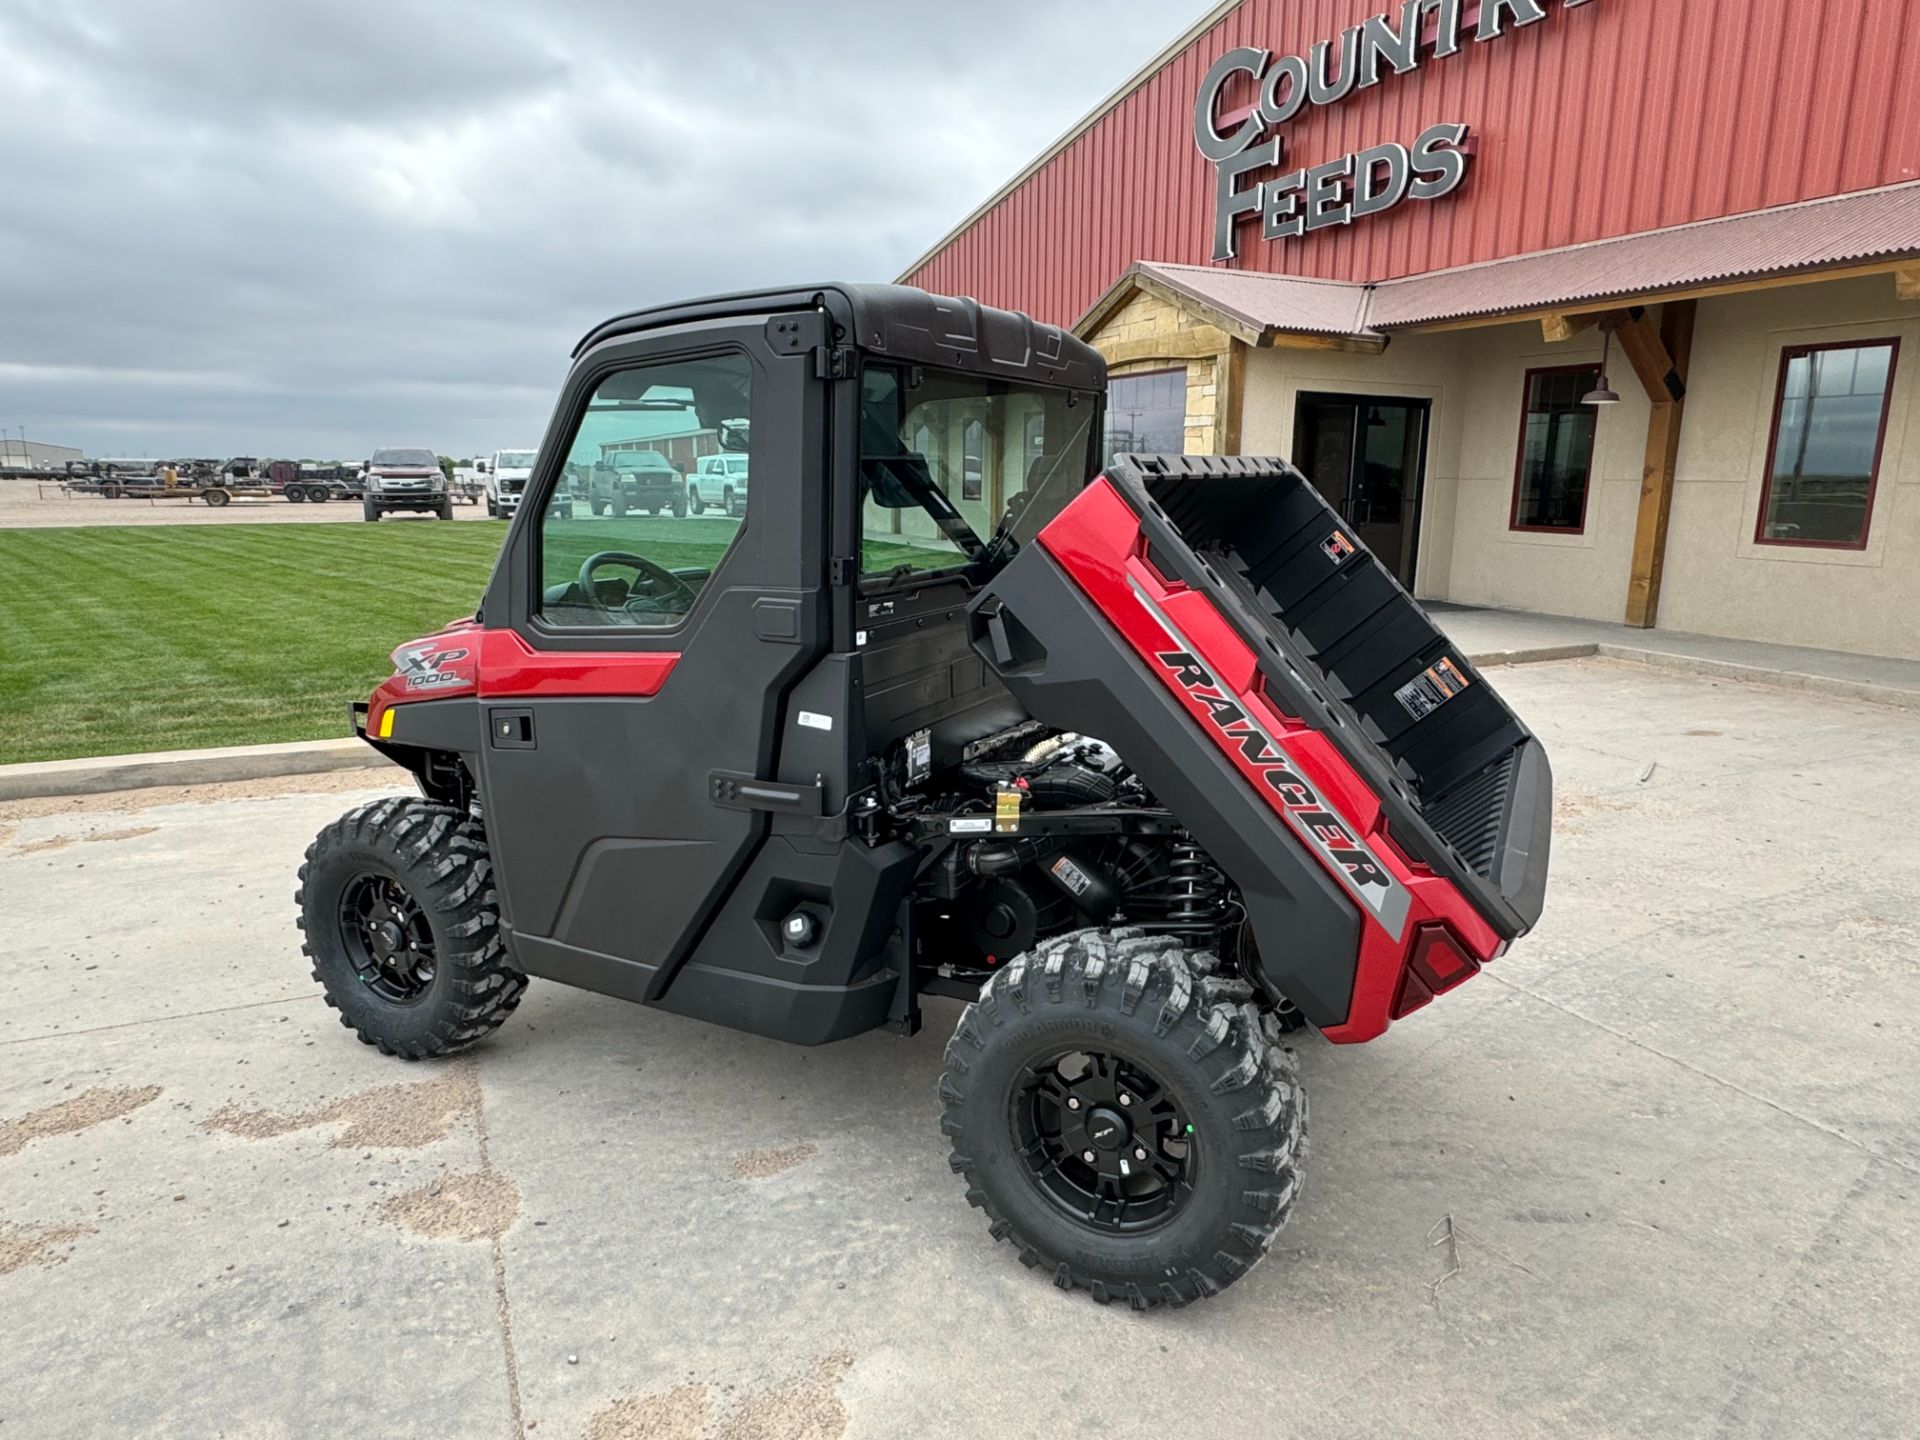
{"type": "Point", "coordinates": [1198, 908]}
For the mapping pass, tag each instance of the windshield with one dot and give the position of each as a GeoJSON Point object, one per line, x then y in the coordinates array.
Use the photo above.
{"type": "Point", "coordinates": [405, 459]}
{"type": "Point", "coordinates": [958, 470]}
{"type": "Point", "coordinates": [514, 460]}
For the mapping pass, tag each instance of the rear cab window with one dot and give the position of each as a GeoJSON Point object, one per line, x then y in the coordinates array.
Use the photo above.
{"type": "Point", "coordinates": [958, 470]}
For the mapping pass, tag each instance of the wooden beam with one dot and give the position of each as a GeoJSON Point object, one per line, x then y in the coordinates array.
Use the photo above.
{"type": "Point", "coordinates": [1559, 328]}
{"type": "Point", "coordinates": [1657, 475]}
{"type": "Point", "coordinates": [1345, 344]}
{"type": "Point", "coordinates": [1230, 398]}
{"type": "Point", "coordinates": [1906, 282]}
{"type": "Point", "coordinates": [1647, 353]}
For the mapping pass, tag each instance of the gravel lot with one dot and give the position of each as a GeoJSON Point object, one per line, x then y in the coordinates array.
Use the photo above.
{"type": "Point", "coordinates": [27, 505]}
{"type": "Point", "coordinates": [1656, 1173]}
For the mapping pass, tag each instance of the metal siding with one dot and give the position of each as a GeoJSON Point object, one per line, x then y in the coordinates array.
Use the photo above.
{"type": "Point", "coordinates": [1612, 118]}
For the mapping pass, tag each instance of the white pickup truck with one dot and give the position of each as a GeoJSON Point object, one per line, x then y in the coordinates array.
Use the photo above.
{"type": "Point", "coordinates": [720, 481]}
{"type": "Point", "coordinates": [507, 475]}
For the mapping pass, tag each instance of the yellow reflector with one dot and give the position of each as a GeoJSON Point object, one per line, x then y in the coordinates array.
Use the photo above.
{"type": "Point", "coordinates": [386, 724]}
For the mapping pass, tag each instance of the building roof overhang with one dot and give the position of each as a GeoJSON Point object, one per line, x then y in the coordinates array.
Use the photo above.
{"type": "Point", "coordinates": [1868, 231]}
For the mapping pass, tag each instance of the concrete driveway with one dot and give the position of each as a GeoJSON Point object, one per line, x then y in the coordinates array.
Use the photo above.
{"type": "Point", "coordinates": [1656, 1174]}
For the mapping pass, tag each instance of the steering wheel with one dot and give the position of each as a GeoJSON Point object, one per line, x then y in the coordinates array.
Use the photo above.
{"type": "Point", "coordinates": [663, 584]}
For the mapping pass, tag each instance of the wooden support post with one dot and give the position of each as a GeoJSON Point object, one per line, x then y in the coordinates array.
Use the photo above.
{"type": "Point", "coordinates": [1664, 374]}
{"type": "Point", "coordinates": [1230, 397]}
{"type": "Point", "coordinates": [1651, 357]}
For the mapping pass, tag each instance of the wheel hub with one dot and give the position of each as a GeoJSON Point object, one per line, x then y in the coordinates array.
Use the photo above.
{"type": "Point", "coordinates": [1107, 1129]}
{"type": "Point", "coordinates": [1103, 1140]}
{"type": "Point", "coordinates": [385, 934]}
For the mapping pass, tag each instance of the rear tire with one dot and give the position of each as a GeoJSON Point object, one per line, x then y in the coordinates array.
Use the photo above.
{"type": "Point", "coordinates": [296, 494]}
{"type": "Point", "coordinates": [1214, 1124]}
{"type": "Point", "coordinates": [215, 498]}
{"type": "Point", "coordinates": [402, 926]}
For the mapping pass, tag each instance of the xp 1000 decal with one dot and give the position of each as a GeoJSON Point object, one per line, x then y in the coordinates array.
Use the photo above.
{"type": "Point", "coordinates": [1311, 818]}
{"type": "Point", "coordinates": [433, 664]}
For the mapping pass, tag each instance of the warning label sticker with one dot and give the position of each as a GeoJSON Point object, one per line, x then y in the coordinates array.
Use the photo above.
{"type": "Point", "coordinates": [1337, 546]}
{"type": "Point", "coordinates": [1071, 876]}
{"type": "Point", "coordinates": [1431, 689]}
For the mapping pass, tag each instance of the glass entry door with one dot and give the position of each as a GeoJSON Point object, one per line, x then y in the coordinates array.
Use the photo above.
{"type": "Point", "coordinates": [1367, 454]}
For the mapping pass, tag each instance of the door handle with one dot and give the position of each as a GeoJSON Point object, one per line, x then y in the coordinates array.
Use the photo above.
{"type": "Point", "coordinates": [737, 790]}
{"type": "Point", "coordinates": [510, 729]}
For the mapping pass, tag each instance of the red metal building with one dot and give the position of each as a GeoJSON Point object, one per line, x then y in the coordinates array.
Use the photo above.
{"type": "Point", "coordinates": [1612, 117]}
{"type": "Point", "coordinates": [1307, 215]}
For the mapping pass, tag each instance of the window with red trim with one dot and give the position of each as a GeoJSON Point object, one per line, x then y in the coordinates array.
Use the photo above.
{"type": "Point", "coordinates": [1555, 467]}
{"type": "Point", "coordinates": [1829, 428]}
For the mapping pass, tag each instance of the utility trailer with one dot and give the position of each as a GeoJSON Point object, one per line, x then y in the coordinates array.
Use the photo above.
{"type": "Point", "coordinates": [1149, 763]}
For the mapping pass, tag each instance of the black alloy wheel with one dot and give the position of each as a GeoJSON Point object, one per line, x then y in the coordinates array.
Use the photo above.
{"type": "Point", "coordinates": [1104, 1140]}
{"type": "Point", "coordinates": [403, 929]}
{"type": "Point", "coordinates": [1124, 1116]}
{"type": "Point", "coordinates": [387, 939]}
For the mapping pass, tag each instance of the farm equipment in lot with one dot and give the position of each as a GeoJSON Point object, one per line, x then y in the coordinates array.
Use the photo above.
{"type": "Point", "coordinates": [1148, 764]}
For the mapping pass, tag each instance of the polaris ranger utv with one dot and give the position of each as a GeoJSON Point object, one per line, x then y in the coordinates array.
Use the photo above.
{"type": "Point", "coordinates": [1149, 764]}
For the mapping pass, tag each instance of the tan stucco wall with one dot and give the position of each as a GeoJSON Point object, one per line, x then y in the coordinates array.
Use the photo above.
{"type": "Point", "coordinates": [1420, 367]}
{"type": "Point", "coordinates": [1717, 581]}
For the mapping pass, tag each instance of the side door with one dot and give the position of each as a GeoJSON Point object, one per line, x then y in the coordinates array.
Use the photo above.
{"type": "Point", "coordinates": [632, 663]}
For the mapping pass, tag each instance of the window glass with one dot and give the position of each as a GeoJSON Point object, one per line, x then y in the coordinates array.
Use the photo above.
{"type": "Point", "coordinates": [1147, 414]}
{"type": "Point", "coordinates": [1556, 450]}
{"type": "Point", "coordinates": [940, 488]}
{"type": "Point", "coordinates": [619, 542]}
{"type": "Point", "coordinates": [1828, 424]}
{"type": "Point", "coordinates": [973, 460]}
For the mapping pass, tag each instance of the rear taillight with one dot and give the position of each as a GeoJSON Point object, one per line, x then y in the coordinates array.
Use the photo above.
{"type": "Point", "coordinates": [1439, 963]}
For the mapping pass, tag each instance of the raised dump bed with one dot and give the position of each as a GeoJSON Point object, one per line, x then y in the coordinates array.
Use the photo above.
{"type": "Point", "coordinates": [1338, 631]}
{"type": "Point", "coordinates": [1355, 684]}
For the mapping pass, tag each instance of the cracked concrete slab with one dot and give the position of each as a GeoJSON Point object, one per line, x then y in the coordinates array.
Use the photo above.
{"type": "Point", "coordinates": [1658, 1172]}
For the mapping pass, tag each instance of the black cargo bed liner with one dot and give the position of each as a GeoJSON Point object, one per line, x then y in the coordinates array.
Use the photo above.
{"type": "Point", "coordinates": [1341, 645]}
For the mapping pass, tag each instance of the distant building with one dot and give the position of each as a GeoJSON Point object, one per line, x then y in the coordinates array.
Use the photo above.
{"type": "Point", "coordinates": [18, 454]}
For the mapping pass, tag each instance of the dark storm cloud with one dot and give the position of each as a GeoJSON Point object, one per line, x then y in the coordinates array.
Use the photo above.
{"type": "Point", "coordinates": [231, 227]}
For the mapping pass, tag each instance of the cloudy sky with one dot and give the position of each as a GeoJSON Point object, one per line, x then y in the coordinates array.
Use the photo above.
{"type": "Point", "coordinates": [235, 227]}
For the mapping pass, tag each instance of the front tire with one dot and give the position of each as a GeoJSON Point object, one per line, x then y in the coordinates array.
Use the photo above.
{"type": "Point", "coordinates": [445, 512]}
{"type": "Point", "coordinates": [403, 928]}
{"type": "Point", "coordinates": [369, 510]}
{"type": "Point", "coordinates": [1124, 1119]}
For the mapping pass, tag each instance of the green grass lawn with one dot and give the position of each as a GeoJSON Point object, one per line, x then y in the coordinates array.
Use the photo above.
{"type": "Point", "coordinates": [164, 637]}
{"type": "Point", "coordinates": [118, 640]}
